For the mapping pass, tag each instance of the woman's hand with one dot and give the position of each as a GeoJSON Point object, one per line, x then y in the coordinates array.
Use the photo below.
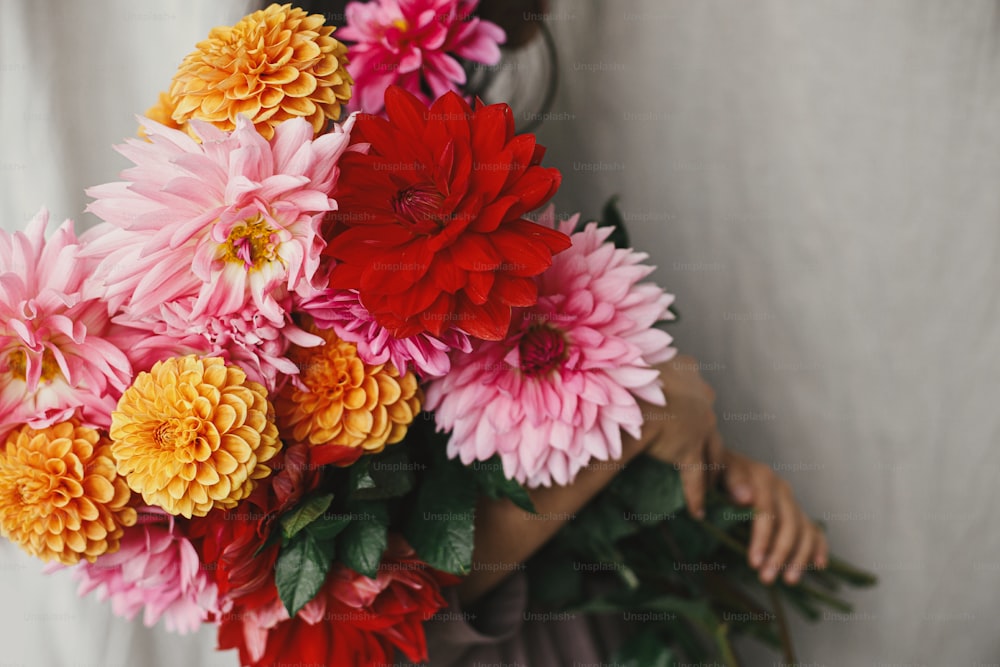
{"type": "Point", "coordinates": [687, 437]}
{"type": "Point", "coordinates": [783, 538]}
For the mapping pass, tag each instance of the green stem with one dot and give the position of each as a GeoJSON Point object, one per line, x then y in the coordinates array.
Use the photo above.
{"type": "Point", "coordinates": [822, 596]}
{"type": "Point", "coordinates": [786, 637]}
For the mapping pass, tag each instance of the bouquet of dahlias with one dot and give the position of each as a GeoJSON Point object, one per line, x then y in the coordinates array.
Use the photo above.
{"type": "Point", "coordinates": [269, 389]}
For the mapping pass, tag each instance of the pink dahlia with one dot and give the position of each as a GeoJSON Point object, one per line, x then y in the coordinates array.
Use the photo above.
{"type": "Point", "coordinates": [156, 571]}
{"type": "Point", "coordinates": [563, 385]}
{"type": "Point", "coordinates": [342, 311]}
{"type": "Point", "coordinates": [411, 44]}
{"type": "Point", "coordinates": [59, 352]}
{"type": "Point", "coordinates": [245, 338]}
{"type": "Point", "coordinates": [230, 220]}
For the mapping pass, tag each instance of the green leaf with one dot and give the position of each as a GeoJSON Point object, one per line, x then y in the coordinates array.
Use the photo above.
{"type": "Point", "coordinates": [646, 650]}
{"type": "Point", "coordinates": [611, 216]}
{"type": "Point", "coordinates": [300, 571]}
{"type": "Point", "coordinates": [496, 485]}
{"type": "Point", "coordinates": [390, 474]}
{"type": "Point", "coordinates": [304, 514]}
{"type": "Point", "coordinates": [554, 581]}
{"type": "Point", "coordinates": [328, 526]}
{"type": "Point", "coordinates": [441, 524]}
{"type": "Point", "coordinates": [594, 532]}
{"type": "Point", "coordinates": [651, 490]}
{"type": "Point", "coordinates": [698, 611]}
{"type": "Point", "coordinates": [361, 545]}
{"type": "Point", "coordinates": [359, 475]}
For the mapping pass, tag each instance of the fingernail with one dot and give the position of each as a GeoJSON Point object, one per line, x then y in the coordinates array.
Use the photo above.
{"type": "Point", "coordinates": [767, 576]}
{"type": "Point", "coordinates": [755, 558]}
{"type": "Point", "coordinates": [742, 494]}
{"type": "Point", "coordinates": [792, 577]}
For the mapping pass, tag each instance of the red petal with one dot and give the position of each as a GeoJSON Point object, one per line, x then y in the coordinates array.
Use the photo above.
{"type": "Point", "coordinates": [474, 252]}
{"type": "Point", "coordinates": [489, 321]}
{"type": "Point", "coordinates": [446, 274]}
{"type": "Point", "coordinates": [405, 111]}
{"type": "Point", "coordinates": [478, 286]}
{"type": "Point", "coordinates": [515, 291]}
{"type": "Point", "coordinates": [334, 455]}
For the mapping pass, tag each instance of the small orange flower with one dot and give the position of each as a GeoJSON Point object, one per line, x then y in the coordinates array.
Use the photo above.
{"type": "Point", "coordinates": [346, 402]}
{"type": "Point", "coordinates": [60, 496]}
{"type": "Point", "coordinates": [275, 64]}
{"type": "Point", "coordinates": [193, 434]}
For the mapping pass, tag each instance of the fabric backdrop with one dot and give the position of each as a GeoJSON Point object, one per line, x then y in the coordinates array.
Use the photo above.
{"type": "Point", "coordinates": [818, 185]}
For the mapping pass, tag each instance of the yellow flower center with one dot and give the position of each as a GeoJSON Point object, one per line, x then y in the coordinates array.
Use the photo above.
{"type": "Point", "coordinates": [402, 24]}
{"type": "Point", "coordinates": [17, 362]}
{"type": "Point", "coordinates": [176, 433]}
{"type": "Point", "coordinates": [251, 243]}
{"type": "Point", "coordinates": [30, 494]}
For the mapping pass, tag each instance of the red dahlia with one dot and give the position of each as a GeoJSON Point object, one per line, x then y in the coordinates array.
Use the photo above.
{"type": "Point", "coordinates": [431, 228]}
{"type": "Point", "coordinates": [353, 620]}
{"type": "Point", "coordinates": [228, 542]}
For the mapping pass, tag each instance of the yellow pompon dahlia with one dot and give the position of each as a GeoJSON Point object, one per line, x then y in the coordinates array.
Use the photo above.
{"type": "Point", "coordinates": [193, 434]}
{"type": "Point", "coordinates": [346, 402]}
{"type": "Point", "coordinates": [275, 64]}
{"type": "Point", "coordinates": [60, 496]}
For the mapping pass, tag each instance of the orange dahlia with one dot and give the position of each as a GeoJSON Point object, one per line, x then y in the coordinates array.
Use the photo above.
{"type": "Point", "coordinates": [60, 496]}
{"type": "Point", "coordinates": [275, 64]}
{"type": "Point", "coordinates": [345, 402]}
{"type": "Point", "coordinates": [193, 434]}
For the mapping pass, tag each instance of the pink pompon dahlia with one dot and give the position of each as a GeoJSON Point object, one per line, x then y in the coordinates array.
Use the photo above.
{"type": "Point", "coordinates": [230, 220]}
{"type": "Point", "coordinates": [563, 385]}
{"type": "Point", "coordinates": [59, 352]}
{"type": "Point", "coordinates": [156, 571]}
{"type": "Point", "coordinates": [341, 310]}
{"type": "Point", "coordinates": [411, 44]}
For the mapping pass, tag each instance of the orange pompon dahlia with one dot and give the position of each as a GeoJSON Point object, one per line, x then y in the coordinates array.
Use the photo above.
{"type": "Point", "coordinates": [345, 403]}
{"type": "Point", "coordinates": [275, 64]}
{"type": "Point", "coordinates": [60, 496]}
{"type": "Point", "coordinates": [193, 434]}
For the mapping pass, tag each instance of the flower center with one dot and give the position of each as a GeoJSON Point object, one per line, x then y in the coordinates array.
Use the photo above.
{"type": "Point", "coordinates": [418, 203]}
{"type": "Point", "coordinates": [542, 349]}
{"type": "Point", "coordinates": [177, 433]}
{"type": "Point", "coordinates": [17, 363]}
{"type": "Point", "coordinates": [332, 369]}
{"type": "Point", "coordinates": [402, 24]}
{"type": "Point", "coordinates": [30, 493]}
{"type": "Point", "coordinates": [250, 243]}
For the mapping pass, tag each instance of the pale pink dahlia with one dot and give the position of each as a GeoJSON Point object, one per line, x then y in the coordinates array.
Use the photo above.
{"type": "Point", "coordinates": [563, 385]}
{"type": "Point", "coordinates": [342, 311]}
{"type": "Point", "coordinates": [231, 220]}
{"type": "Point", "coordinates": [156, 571]}
{"type": "Point", "coordinates": [59, 352]}
{"type": "Point", "coordinates": [245, 338]}
{"type": "Point", "coordinates": [411, 43]}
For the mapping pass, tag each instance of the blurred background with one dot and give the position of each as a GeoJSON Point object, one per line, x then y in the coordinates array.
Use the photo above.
{"type": "Point", "coordinates": [817, 183]}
